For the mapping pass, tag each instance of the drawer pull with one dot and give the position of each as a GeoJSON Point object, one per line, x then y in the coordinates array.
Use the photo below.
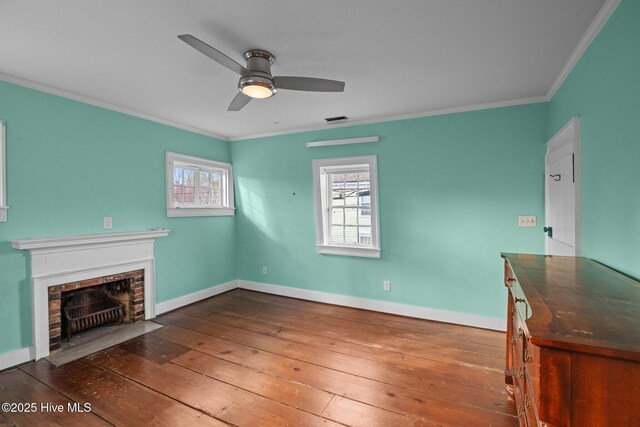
{"type": "Point", "coordinates": [511, 279]}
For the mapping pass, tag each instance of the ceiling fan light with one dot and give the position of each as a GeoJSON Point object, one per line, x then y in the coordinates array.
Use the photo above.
{"type": "Point", "coordinates": [257, 87]}
{"type": "Point", "coordinates": [257, 91]}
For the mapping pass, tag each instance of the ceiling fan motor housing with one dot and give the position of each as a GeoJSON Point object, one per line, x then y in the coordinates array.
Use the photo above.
{"type": "Point", "coordinates": [259, 67]}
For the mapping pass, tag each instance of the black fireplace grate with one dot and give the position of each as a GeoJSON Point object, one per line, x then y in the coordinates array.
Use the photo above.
{"type": "Point", "coordinates": [92, 308]}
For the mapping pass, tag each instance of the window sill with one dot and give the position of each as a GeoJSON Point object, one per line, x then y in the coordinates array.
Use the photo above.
{"type": "Point", "coordinates": [186, 212]}
{"type": "Point", "coordinates": [349, 251]}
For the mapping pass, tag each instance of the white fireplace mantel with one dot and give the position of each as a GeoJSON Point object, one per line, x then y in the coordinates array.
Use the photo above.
{"type": "Point", "coordinates": [59, 260]}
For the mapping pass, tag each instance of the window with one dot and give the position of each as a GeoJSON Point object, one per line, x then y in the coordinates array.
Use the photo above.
{"type": "Point", "coordinates": [346, 210]}
{"type": "Point", "coordinates": [198, 187]}
{"type": "Point", "coordinates": [3, 176]}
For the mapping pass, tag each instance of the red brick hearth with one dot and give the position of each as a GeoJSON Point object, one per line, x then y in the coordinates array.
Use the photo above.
{"type": "Point", "coordinates": [128, 288]}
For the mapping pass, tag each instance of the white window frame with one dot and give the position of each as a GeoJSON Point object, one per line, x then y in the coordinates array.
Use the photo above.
{"type": "Point", "coordinates": [321, 193]}
{"type": "Point", "coordinates": [228, 208]}
{"type": "Point", "coordinates": [3, 174]}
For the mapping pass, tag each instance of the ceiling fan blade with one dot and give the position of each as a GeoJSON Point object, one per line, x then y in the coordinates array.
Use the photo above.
{"type": "Point", "coordinates": [239, 102]}
{"type": "Point", "coordinates": [308, 83]}
{"type": "Point", "coordinates": [213, 53]}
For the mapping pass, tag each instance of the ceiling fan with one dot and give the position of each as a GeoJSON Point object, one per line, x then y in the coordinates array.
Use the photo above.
{"type": "Point", "coordinates": [256, 80]}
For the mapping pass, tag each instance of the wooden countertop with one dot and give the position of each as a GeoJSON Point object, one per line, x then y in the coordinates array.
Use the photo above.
{"type": "Point", "coordinates": [578, 304]}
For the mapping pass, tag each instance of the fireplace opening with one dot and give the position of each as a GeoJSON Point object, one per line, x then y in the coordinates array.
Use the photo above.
{"type": "Point", "coordinates": [88, 309]}
{"type": "Point", "coordinates": [78, 306]}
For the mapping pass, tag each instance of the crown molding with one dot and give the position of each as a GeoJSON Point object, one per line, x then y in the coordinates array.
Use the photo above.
{"type": "Point", "coordinates": [594, 28]}
{"type": "Point", "coordinates": [102, 104]}
{"type": "Point", "coordinates": [382, 119]}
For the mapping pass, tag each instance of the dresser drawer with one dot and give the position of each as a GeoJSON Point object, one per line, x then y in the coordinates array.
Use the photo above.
{"type": "Point", "coordinates": [523, 355]}
{"type": "Point", "coordinates": [519, 390]}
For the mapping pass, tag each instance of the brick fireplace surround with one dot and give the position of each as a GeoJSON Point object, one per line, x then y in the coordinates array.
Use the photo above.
{"type": "Point", "coordinates": [134, 301]}
{"type": "Point", "coordinates": [61, 262]}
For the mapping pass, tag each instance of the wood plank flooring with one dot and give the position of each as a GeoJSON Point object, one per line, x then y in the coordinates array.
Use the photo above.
{"type": "Point", "coordinates": [251, 359]}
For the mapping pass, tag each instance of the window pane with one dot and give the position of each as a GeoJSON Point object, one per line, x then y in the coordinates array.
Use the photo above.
{"type": "Point", "coordinates": [351, 235]}
{"type": "Point", "coordinates": [337, 234]}
{"type": "Point", "coordinates": [351, 198]}
{"type": "Point", "coordinates": [205, 197]}
{"type": "Point", "coordinates": [351, 216]}
{"type": "Point", "coordinates": [215, 197]}
{"type": "Point", "coordinates": [337, 216]}
{"type": "Point", "coordinates": [189, 195]}
{"type": "Point", "coordinates": [363, 180]}
{"type": "Point", "coordinates": [351, 180]}
{"type": "Point", "coordinates": [336, 180]}
{"type": "Point", "coordinates": [365, 206]}
{"type": "Point", "coordinates": [366, 240]}
{"type": "Point", "coordinates": [364, 232]}
{"type": "Point", "coordinates": [177, 194]}
{"type": "Point", "coordinates": [177, 175]}
{"type": "Point", "coordinates": [189, 177]}
{"type": "Point", "coordinates": [214, 179]}
{"type": "Point", "coordinates": [204, 179]}
{"type": "Point", "coordinates": [364, 220]}
{"type": "Point", "coordinates": [337, 198]}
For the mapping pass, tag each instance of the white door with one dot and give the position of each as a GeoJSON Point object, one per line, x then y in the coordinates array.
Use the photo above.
{"type": "Point", "coordinates": [562, 204]}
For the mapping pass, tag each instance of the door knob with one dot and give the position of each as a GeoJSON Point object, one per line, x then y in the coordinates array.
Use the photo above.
{"type": "Point", "coordinates": [549, 231]}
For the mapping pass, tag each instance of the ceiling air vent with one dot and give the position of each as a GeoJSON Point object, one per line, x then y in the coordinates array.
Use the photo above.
{"type": "Point", "coordinates": [337, 119]}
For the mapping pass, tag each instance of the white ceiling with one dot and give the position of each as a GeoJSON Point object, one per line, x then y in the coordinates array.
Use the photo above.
{"type": "Point", "coordinates": [398, 58]}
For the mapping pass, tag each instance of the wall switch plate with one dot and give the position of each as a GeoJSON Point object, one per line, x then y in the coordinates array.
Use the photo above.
{"type": "Point", "coordinates": [526, 221]}
{"type": "Point", "coordinates": [265, 270]}
{"type": "Point", "coordinates": [386, 285]}
{"type": "Point", "coordinates": [107, 223]}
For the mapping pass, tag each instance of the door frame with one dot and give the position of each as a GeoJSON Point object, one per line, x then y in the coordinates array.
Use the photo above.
{"type": "Point", "coordinates": [566, 140]}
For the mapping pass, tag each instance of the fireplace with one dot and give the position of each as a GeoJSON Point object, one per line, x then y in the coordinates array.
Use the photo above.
{"type": "Point", "coordinates": [84, 261]}
{"type": "Point", "coordinates": [126, 288]}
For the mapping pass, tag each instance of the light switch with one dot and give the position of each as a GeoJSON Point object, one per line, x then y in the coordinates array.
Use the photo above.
{"type": "Point", "coordinates": [107, 223]}
{"type": "Point", "coordinates": [526, 221]}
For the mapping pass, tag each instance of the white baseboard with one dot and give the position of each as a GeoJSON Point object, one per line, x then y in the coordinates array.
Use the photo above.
{"type": "Point", "coordinates": [17, 357]}
{"type": "Point", "coordinates": [175, 303]}
{"type": "Point", "coordinates": [466, 319]}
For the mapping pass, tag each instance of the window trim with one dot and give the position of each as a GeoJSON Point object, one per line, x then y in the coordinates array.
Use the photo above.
{"type": "Point", "coordinates": [322, 244]}
{"type": "Point", "coordinates": [188, 211]}
{"type": "Point", "coordinates": [3, 173]}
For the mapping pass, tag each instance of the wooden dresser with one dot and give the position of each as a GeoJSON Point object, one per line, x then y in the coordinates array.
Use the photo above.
{"type": "Point", "coordinates": [573, 342]}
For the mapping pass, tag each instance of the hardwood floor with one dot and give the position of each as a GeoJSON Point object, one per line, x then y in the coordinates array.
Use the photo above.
{"type": "Point", "coordinates": [251, 359]}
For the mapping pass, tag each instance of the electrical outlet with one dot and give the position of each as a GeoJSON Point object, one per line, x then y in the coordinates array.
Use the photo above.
{"type": "Point", "coordinates": [107, 223]}
{"type": "Point", "coordinates": [264, 270]}
{"type": "Point", "coordinates": [526, 221]}
{"type": "Point", "coordinates": [386, 285]}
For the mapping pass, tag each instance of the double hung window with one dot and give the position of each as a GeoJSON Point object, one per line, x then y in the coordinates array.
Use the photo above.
{"type": "Point", "coordinates": [346, 206]}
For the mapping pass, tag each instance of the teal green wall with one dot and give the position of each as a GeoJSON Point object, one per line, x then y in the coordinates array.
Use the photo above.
{"type": "Point", "coordinates": [604, 90]}
{"type": "Point", "coordinates": [69, 165]}
{"type": "Point", "coordinates": [451, 189]}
